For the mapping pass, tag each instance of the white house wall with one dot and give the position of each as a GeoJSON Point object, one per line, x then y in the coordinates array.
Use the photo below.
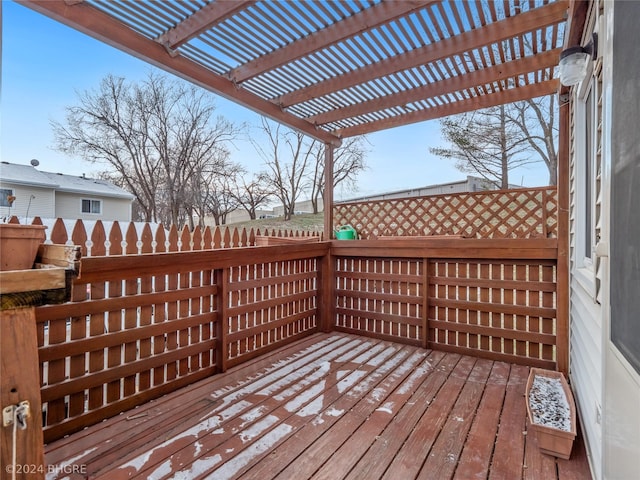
{"type": "Point", "coordinates": [69, 205]}
{"type": "Point", "coordinates": [587, 333]}
{"type": "Point", "coordinates": [606, 385]}
{"type": "Point", "coordinates": [34, 201]}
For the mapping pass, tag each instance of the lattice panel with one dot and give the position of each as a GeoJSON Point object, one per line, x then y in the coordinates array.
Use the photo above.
{"type": "Point", "coordinates": [268, 303]}
{"type": "Point", "coordinates": [498, 307]}
{"type": "Point", "coordinates": [495, 214]}
{"type": "Point", "coordinates": [380, 297]}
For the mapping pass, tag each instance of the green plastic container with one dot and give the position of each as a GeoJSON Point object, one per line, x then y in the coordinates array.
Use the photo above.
{"type": "Point", "coordinates": [346, 232]}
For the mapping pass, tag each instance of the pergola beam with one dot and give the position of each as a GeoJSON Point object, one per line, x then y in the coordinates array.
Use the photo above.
{"type": "Point", "coordinates": [510, 27]}
{"type": "Point", "coordinates": [105, 28]}
{"type": "Point", "coordinates": [451, 85]}
{"type": "Point", "coordinates": [365, 20]}
{"type": "Point", "coordinates": [501, 97]}
{"type": "Point", "coordinates": [202, 20]}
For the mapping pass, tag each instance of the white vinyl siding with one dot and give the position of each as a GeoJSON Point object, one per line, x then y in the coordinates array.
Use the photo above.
{"type": "Point", "coordinates": [30, 201]}
{"type": "Point", "coordinates": [588, 333]}
{"type": "Point", "coordinates": [69, 205]}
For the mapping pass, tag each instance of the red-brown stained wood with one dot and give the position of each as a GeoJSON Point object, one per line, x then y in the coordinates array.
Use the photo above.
{"type": "Point", "coordinates": [508, 459]}
{"type": "Point", "coordinates": [408, 462]}
{"type": "Point", "coordinates": [497, 214]}
{"type": "Point", "coordinates": [444, 456]}
{"type": "Point", "coordinates": [79, 237]}
{"type": "Point", "coordinates": [20, 383]}
{"type": "Point", "coordinates": [331, 406]}
{"type": "Point", "coordinates": [146, 311]}
{"type": "Point", "coordinates": [59, 233]}
{"type": "Point", "coordinates": [536, 466]}
{"type": "Point", "coordinates": [478, 448]}
{"type": "Point", "coordinates": [130, 315]}
{"type": "Point", "coordinates": [423, 390]}
{"type": "Point", "coordinates": [114, 353]}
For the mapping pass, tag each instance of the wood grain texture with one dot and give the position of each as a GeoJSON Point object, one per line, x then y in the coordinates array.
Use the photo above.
{"type": "Point", "coordinates": [331, 406]}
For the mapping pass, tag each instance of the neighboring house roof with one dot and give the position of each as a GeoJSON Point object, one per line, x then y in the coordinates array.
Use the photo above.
{"type": "Point", "coordinates": [417, 191]}
{"type": "Point", "coordinates": [24, 175]}
{"type": "Point", "coordinates": [28, 175]}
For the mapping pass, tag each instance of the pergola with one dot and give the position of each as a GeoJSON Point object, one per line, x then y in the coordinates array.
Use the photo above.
{"type": "Point", "coordinates": [330, 69]}
{"type": "Point", "coordinates": [337, 69]}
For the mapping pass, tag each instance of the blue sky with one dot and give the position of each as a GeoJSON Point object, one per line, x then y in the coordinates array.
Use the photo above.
{"type": "Point", "coordinates": [44, 64]}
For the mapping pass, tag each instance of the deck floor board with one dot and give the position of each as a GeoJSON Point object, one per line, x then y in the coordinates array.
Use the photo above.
{"type": "Point", "coordinates": [331, 406]}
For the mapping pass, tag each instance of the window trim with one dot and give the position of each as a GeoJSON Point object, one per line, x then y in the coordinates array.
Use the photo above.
{"type": "Point", "coordinates": [91, 201]}
{"type": "Point", "coordinates": [587, 90]}
{"type": "Point", "coordinates": [3, 198]}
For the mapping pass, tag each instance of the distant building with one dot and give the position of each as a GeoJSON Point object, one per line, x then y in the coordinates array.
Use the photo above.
{"type": "Point", "coordinates": [471, 184]}
{"type": "Point", "coordinates": [55, 195]}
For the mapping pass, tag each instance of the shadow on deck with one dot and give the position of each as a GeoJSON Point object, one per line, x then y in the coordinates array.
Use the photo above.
{"type": "Point", "coordinates": [331, 406]}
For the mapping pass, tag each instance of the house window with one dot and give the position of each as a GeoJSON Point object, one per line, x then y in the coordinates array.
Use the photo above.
{"type": "Point", "coordinates": [91, 206]}
{"type": "Point", "coordinates": [589, 179]}
{"type": "Point", "coordinates": [5, 193]}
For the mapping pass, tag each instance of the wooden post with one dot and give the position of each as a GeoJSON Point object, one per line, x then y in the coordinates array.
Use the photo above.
{"type": "Point", "coordinates": [20, 376]}
{"type": "Point", "coordinates": [562, 334]}
{"type": "Point", "coordinates": [425, 303]}
{"type": "Point", "coordinates": [328, 191]}
{"type": "Point", "coordinates": [222, 348]}
{"type": "Point", "coordinates": [326, 297]}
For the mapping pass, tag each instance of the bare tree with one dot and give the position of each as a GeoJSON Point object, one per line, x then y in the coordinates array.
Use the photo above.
{"type": "Point", "coordinates": [210, 193]}
{"type": "Point", "coordinates": [348, 162]}
{"type": "Point", "coordinates": [221, 200]}
{"type": "Point", "coordinates": [486, 143]}
{"type": "Point", "coordinates": [287, 155]}
{"type": "Point", "coordinates": [155, 135]}
{"type": "Point", "coordinates": [538, 121]}
{"type": "Point", "coordinates": [252, 193]}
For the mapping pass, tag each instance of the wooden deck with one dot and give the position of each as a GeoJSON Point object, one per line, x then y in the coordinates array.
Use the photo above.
{"type": "Point", "coordinates": [332, 406]}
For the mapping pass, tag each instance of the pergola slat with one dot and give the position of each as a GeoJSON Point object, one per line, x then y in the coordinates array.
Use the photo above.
{"type": "Point", "coordinates": [200, 21]}
{"type": "Point", "coordinates": [469, 80]}
{"type": "Point", "coordinates": [335, 68]}
{"type": "Point", "coordinates": [337, 32]}
{"type": "Point", "coordinates": [482, 101]}
{"type": "Point", "coordinates": [477, 38]}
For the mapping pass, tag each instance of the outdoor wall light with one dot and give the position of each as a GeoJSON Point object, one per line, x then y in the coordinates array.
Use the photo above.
{"type": "Point", "coordinates": [574, 62]}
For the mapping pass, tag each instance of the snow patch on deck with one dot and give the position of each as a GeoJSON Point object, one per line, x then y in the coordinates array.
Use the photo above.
{"type": "Point", "coordinates": [350, 380]}
{"type": "Point", "coordinates": [387, 408]}
{"type": "Point", "coordinates": [416, 376]}
{"type": "Point", "coordinates": [304, 397]}
{"type": "Point", "coordinates": [229, 408]}
{"type": "Point", "coordinates": [320, 372]}
{"type": "Point", "coordinates": [382, 358]}
{"type": "Point", "coordinates": [199, 467]}
{"type": "Point", "coordinates": [358, 348]}
{"type": "Point", "coordinates": [232, 466]}
{"type": "Point", "coordinates": [366, 355]}
{"type": "Point", "coordinates": [265, 377]}
{"type": "Point", "coordinates": [256, 429]}
{"type": "Point", "coordinates": [162, 470]}
{"type": "Point", "coordinates": [204, 425]}
{"type": "Point", "coordinates": [69, 462]}
{"type": "Point", "coordinates": [253, 415]}
{"type": "Point", "coordinates": [313, 408]}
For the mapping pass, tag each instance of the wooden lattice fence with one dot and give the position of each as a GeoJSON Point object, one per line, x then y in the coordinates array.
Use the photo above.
{"type": "Point", "coordinates": [519, 213]}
